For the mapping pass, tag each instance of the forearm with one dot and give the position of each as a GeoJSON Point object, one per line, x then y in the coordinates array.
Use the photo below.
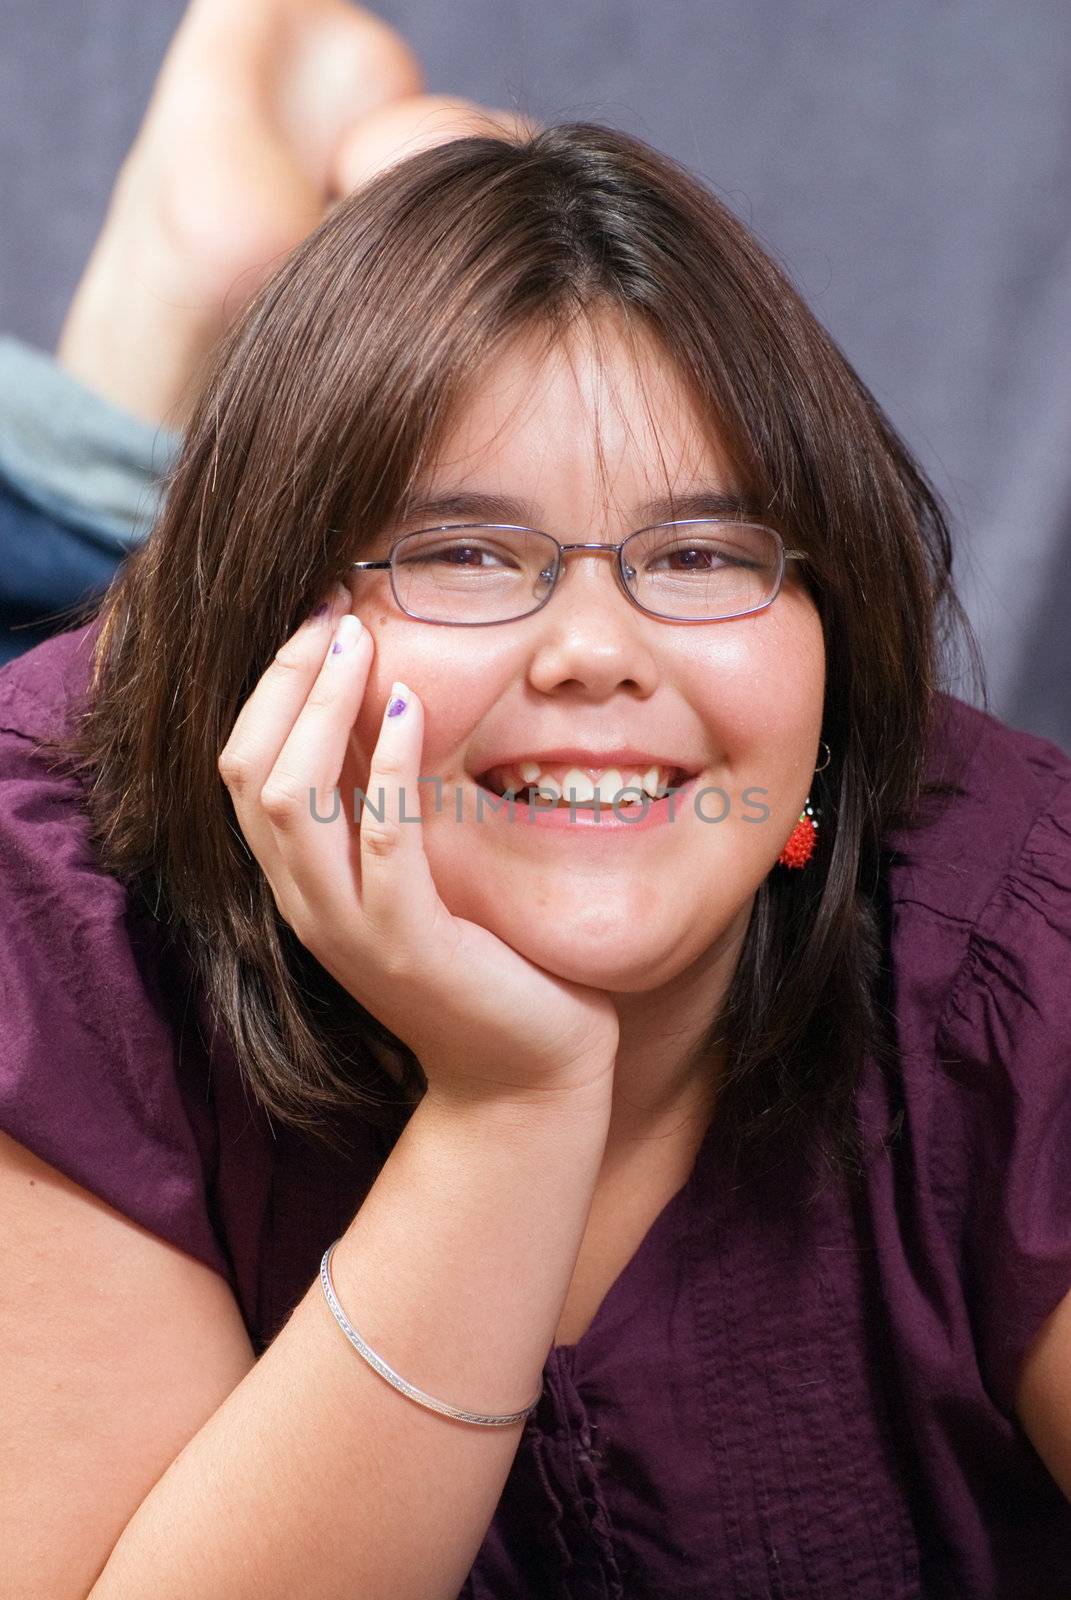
{"type": "Point", "coordinates": [316, 1479]}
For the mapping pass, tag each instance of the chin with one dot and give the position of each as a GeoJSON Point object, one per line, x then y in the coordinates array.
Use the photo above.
{"type": "Point", "coordinates": [622, 965]}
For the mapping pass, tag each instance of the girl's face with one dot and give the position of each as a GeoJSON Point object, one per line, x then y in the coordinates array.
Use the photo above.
{"type": "Point", "coordinates": [623, 908]}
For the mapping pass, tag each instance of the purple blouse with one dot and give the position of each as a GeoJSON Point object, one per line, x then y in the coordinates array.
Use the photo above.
{"type": "Point", "coordinates": [769, 1402]}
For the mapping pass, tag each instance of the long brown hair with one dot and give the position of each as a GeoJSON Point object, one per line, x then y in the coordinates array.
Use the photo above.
{"type": "Point", "coordinates": [326, 399]}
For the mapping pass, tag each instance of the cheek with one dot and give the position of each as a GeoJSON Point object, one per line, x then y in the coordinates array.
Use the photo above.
{"type": "Point", "coordinates": [762, 693]}
{"type": "Point", "coordinates": [455, 684]}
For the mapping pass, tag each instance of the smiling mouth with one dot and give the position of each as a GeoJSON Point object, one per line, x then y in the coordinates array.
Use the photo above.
{"type": "Point", "coordinates": [580, 791]}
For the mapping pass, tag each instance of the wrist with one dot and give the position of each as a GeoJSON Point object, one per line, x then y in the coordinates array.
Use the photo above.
{"type": "Point", "coordinates": [587, 1094]}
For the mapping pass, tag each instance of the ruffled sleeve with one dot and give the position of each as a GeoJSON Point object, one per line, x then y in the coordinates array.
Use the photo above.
{"type": "Point", "coordinates": [1003, 1098]}
{"type": "Point", "coordinates": [92, 1025]}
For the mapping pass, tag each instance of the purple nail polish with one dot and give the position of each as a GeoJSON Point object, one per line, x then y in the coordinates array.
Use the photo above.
{"type": "Point", "coordinates": [336, 648]}
{"type": "Point", "coordinates": [396, 707]}
{"type": "Point", "coordinates": [320, 610]}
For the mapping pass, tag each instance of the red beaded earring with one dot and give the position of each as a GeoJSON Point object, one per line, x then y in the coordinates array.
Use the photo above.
{"type": "Point", "coordinates": [799, 847]}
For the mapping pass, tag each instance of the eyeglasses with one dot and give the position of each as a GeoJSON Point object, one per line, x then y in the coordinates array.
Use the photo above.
{"type": "Point", "coordinates": [474, 573]}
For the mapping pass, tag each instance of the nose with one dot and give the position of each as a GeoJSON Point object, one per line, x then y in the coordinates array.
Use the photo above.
{"type": "Point", "coordinates": [589, 634]}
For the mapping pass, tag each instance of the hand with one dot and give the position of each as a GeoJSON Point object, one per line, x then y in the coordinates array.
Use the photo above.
{"type": "Point", "coordinates": [484, 1022]}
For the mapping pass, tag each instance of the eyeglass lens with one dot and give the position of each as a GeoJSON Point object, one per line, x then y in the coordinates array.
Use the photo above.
{"type": "Point", "coordinates": [482, 573]}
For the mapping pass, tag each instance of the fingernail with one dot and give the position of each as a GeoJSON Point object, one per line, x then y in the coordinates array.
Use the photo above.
{"type": "Point", "coordinates": [399, 699]}
{"type": "Point", "coordinates": [337, 598]}
{"type": "Point", "coordinates": [346, 634]}
{"type": "Point", "coordinates": [320, 611]}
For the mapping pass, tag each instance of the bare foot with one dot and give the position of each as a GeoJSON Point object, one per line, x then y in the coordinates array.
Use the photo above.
{"type": "Point", "coordinates": [235, 153]}
{"type": "Point", "coordinates": [403, 127]}
{"type": "Point", "coordinates": [231, 167]}
{"type": "Point", "coordinates": [263, 113]}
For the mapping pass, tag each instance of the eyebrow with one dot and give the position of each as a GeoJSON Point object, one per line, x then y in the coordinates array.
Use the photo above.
{"type": "Point", "coordinates": [486, 507]}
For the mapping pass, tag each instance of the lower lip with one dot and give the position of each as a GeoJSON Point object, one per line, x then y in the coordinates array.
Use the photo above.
{"type": "Point", "coordinates": [581, 819]}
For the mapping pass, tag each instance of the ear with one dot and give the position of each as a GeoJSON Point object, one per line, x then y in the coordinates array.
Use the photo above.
{"type": "Point", "coordinates": [1043, 1395]}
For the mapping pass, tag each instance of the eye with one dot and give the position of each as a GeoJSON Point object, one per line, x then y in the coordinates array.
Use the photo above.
{"type": "Point", "coordinates": [697, 558]}
{"type": "Point", "coordinates": [424, 550]}
{"type": "Point", "coordinates": [736, 548]}
{"type": "Point", "coordinates": [691, 558]}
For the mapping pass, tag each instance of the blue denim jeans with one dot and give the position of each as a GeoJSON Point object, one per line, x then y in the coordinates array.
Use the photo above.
{"type": "Point", "coordinates": [81, 482]}
{"type": "Point", "coordinates": [48, 570]}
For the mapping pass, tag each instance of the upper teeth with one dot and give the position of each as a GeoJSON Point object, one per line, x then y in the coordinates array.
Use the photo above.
{"type": "Point", "coordinates": [581, 787]}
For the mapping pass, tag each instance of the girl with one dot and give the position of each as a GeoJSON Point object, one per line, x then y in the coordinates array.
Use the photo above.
{"type": "Point", "coordinates": [537, 1059]}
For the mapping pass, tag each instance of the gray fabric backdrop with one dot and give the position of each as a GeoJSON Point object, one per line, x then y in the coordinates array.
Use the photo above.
{"type": "Point", "coordinates": [910, 165]}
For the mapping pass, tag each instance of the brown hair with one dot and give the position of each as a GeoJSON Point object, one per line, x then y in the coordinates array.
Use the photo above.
{"type": "Point", "coordinates": [325, 400]}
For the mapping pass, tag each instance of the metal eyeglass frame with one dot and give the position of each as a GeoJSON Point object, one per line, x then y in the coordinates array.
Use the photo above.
{"type": "Point", "coordinates": [619, 568]}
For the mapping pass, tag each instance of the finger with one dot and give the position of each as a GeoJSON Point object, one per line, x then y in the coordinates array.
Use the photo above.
{"type": "Point", "coordinates": [301, 796]}
{"type": "Point", "coordinates": [398, 894]}
{"type": "Point", "coordinates": [261, 728]}
{"type": "Point", "coordinates": [265, 720]}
